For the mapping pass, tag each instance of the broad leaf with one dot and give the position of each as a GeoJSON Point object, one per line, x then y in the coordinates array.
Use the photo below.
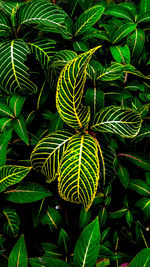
{"type": "Point", "coordinates": [52, 218]}
{"type": "Point", "coordinates": [70, 90]}
{"type": "Point", "coordinates": [88, 245]}
{"type": "Point", "coordinates": [4, 140]}
{"type": "Point", "coordinates": [18, 255]}
{"type": "Point", "coordinates": [144, 6]}
{"type": "Point", "coordinates": [123, 175]}
{"type": "Point", "coordinates": [47, 154]}
{"type": "Point", "coordinates": [5, 122]}
{"type": "Point", "coordinates": [136, 42]}
{"type": "Point", "coordinates": [137, 159]}
{"type": "Point", "coordinates": [141, 259]}
{"type": "Point", "coordinates": [11, 174]}
{"type": "Point", "coordinates": [16, 103]}
{"type": "Point", "coordinates": [5, 28]}
{"type": "Point", "coordinates": [94, 69]}
{"type": "Point", "coordinates": [5, 111]}
{"type": "Point", "coordinates": [88, 19]}
{"type": "Point", "coordinates": [61, 58]}
{"type": "Point", "coordinates": [79, 171]}
{"type": "Point", "coordinates": [114, 72]}
{"type": "Point", "coordinates": [144, 17]}
{"type": "Point", "coordinates": [144, 205]}
{"type": "Point", "coordinates": [84, 218]}
{"type": "Point", "coordinates": [11, 226]}
{"type": "Point", "coordinates": [45, 14]}
{"type": "Point", "coordinates": [121, 54]}
{"type": "Point", "coordinates": [13, 72]}
{"type": "Point", "coordinates": [119, 12]}
{"type": "Point", "coordinates": [122, 32]}
{"type": "Point", "coordinates": [118, 120]}
{"type": "Point", "coordinates": [19, 126]}
{"type": "Point", "coordinates": [27, 192]}
{"type": "Point", "coordinates": [8, 6]}
{"type": "Point", "coordinates": [140, 187]}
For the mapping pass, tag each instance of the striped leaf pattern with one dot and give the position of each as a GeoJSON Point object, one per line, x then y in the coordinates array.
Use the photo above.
{"type": "Point", "coordinates": [88, 19]}
{"type": "Point", "coordinates": [79, 171]}
{"type": "Point", "coordinates": [62, 57]}
{"type": "Point", "coordinates": [48, 152]}
{"type": "Point", "coordinates": [118, 120]}
{"type": "Point", "coordinates": [10, 5]}
{"type": "Point", "coordinates": [43, 13]}
{"type": "Point", "coordinates": [11, 227]}
{"type": "Point", "coordinates": [114, 72]}
{"type": "Point", "coordinates": [136, 42]}
{"type": "Point", "coordinates": [13, 72]}
{"type": "Point", "coordinates": [12, 174]}
{"type": "Point", "coordinates": [70, 90]}
{"type": "Point", "coordinates": [42, 49]}
{"type": "Point", "coordinates": [4, 24]}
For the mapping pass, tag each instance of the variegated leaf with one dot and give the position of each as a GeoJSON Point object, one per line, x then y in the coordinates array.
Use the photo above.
{"type": "Point", "coordinates": [13, 72]}
{"type": "Point", "coordinates": [118, 120]}
{"type": "Point", "coordinates": [48, 152]}
{"type": "Point", "coordinates": [70, 90]}
{"type": "Point", "coordinates": [79, 171]}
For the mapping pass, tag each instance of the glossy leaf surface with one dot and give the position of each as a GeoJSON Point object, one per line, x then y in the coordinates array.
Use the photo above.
{"type": "Point", "coordinates": [18, 255]}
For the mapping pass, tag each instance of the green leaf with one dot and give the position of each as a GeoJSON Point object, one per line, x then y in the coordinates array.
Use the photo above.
{"type": "Point", "coordinates": [95, 99]}
{"type": "Point", "coordinates": [140, 187]}
{"type": "Point", "coordinates": [118, 120]}
{"type": "Point", "coordinates": [51, 250]}
{"type": "Point", "coordinates": [5, 122]}
{"type": "Point", "coordinates": [45, 14]}
{"type": "Point", "coordinates": [47, 154]}
{"type": "Point", "coordinates": [87, 246]}
{"type": "Point", "coordinates": [5, 28]}
{"type": "Point", "coordinates": [136, 42]}
{"type": "Point", "coordinates": [114, 72]}
{"type": "Point", "coordinates": [13, 72]}
{"type": "Point", "coordinates": [141, 259]}
{"type": "Point", "coordinates": [118, 214]}
{"type": "Point", "coordinates": [38, 262]}
{"type": "Point", "coordinates": [144, 205]}
{"type": "Point", "coordinates": [144, 17]}
{"type": "Point", "coordinates": [121, 54]}
{"type": "Point", "coordinates": [94, 69]}
{"type": "Point", "coordinates": [137, 159]}
{"type": "Point", "coordinates": [16, 103]}
{"type": "Point", "coordinates": [122, 32]}
{"type": "Point", "coordinates": [38, 212]}
{"type": "Point", "coordinates": [11, 227]}
{"type": "Point", "coordinates": [79, 171]}
{"type": "Point", "coordinates": [5, 111]}
{"type": "Point", "coordinates": [119, 12]}
{"type": "Point", "coordinates": [103, 216]}
{"type": "Point", "coordinates": [84, 218]}
{"type": "Point", "coordinates": [80, 46]}
{"type": "Point", "coordinates": [88, 19]}
{"type": "Point", "coordinates": [144, 6]}
{"type": "Point", "coordinates": [61, 58]}
{"type": "Point", "coordinates": [129, 218]}
{"type": "Point", "coordinates": [56, 123]}
{"type": "Point", "coordinates": [19, 126]}
{"type": "Point", "coordinates": [27, 192]}
{"type": "Point", "coordinates": [63, 239]}
{"type": "Point", "coordinates": [18, 255]}
{"type": "Point", "coordinates": [52, 218]}
{"type": "Point", "coordinates": [4, 140]}
{"type": "Point", "coordinates": [10, 5]}
{"type": "Point", "coordinates": [70, 90]}
{"type": "Point", "coordinates": [123, 175]}
{"type": "Point", "coordinates": [11, 174]}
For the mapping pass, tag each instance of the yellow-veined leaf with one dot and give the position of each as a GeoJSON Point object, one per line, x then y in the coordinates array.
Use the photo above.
{"type": "Point", "coordinates": [48, 152]}
{"type": "Point", "coordinates": [118, 120]}
{"type": "Point", "coordinates": [79, 170]}
{"type": "Point", "coordinates": [70, 90]}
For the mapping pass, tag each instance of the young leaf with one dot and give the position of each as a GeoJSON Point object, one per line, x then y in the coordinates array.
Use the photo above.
{"type": "Point", "coordinates": [11, 227]}
{"type": "Point", "coordinates": [16, 103]}
{"type": "Point", "coordinates": [144, 205]}
{"type": "Point", "coordinates": [140, 187]}
{"type": "Point", "coordinates": [70, 90]}
{"type": "Point", "coordinates": [10, 175]}
{"type": "Point", "coordinates": [18, 255]}
{"type": "Point", "coordinates": [88, 19]}
{"type": "Point", "coordinates": [123, 175]}
{"type": "Point", "coordinates": [13, 72]}
{"type": "Point", "coordinates": [122, 32]}
{"type": "Point", "coordinates": [27, 192]}
{"type": "Point", "coordinates": [87, 246]}
{"type": "Point", "coordinates": [52, 218]}
{"type": "Point", "coordinates": [121, 54]}
{"type": "Point", "coordinates": [79, 171]}
{"type": "Point", "coordinates": [141, 259]}
{"type": "Point", "coordinates": [144, 6]}
{"type": "Point", "coordinates": [63, 239]}
{"type": "Point", "coordinates": [118, 120]}
{"type": "Point", "coordinates": [19, 126]}
{"type": "Point", "coordinates": [119, 12]}
{"type": "Point", "coordinates": [118, 214]}
{"type": "Point", "coordinates": [4, 140]}
{"type": "Point", "coordinates": [47, 154]}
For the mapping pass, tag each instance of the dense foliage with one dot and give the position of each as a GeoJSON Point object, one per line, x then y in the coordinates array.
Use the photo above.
{"type": "Point", "coordinates": [74, 133]}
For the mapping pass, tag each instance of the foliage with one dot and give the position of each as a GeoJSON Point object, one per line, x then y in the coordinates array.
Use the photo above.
{"type": "Point", "coordinates": [74, 127]}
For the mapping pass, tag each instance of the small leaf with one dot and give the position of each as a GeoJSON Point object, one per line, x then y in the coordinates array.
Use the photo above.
{"type": "Point", "coordinates": [16, 103]}
{"type": "Point", "coordinates": [38, 212]}
{"type": "Point", "coordinates": [5, 122]}
{"type": "Point", "coordinates": [11, 227]}
{"type": "Point", "coordinates": [140, 187]}
{"type": "Point", "coordinates": [52, 218]}
{"type": "Point", "coordinates": [11, 174]}
{"type": "Point", "coordinates": [144, 6]}
{"type": "Point", "coordinates": [123, 175]}
{"type": "Point", "coordinates": [118, 214]}
{"type": "Point", "coordinates": [121, 53]}
{"type": "Point", "coordinates": [5, 111]}
{"type": "Point", "coordinates": [129, 218]}
{"type": "Point", "coordinates": [47, 262]}
{"type": "Point", "coordinates": [88, 19]}
{"type": "Point", "coordinates": [19, 126]}
{"type": "Point", "coordinates": [88, 245]}
{"type": "Point", "coordinates": [63, 239]}
{"type": "Point", "coordinates": [51, 250]}
{"type": "Point", "coordinates": [4, 140]}
{"type": "Point", "coordinates": [27, 192]}
{"type": "Point", "coordinates": [84, 218]}
{"type": "Point", "coordinates": [18, 255]}
{"type": "Point", "coordinates": [141, 259]}
{"type": "Point", "coordinates": [144, 205]}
